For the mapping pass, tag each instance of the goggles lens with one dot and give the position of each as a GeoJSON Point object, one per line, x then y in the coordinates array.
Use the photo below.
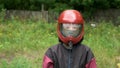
{"type": "Point", "coordinates": [71, 29]}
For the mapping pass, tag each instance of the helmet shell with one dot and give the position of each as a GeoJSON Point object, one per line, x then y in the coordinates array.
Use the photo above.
{"type": "Point", "coordinates": [70, 17]}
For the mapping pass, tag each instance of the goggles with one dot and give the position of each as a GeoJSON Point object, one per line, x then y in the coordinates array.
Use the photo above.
{"type": "Point", "coordinates": [70, 30]}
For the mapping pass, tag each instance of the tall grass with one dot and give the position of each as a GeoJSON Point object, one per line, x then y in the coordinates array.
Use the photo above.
{"type": "Point", "coordinates": [23, 44]}
{"type": "Point", "coordinates": [104, 39]}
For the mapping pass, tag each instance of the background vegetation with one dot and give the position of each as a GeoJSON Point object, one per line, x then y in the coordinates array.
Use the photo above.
{"type": "Point", "coordinates": [23, 44]}
{"type": "Point", "coordinates": [87, 7]}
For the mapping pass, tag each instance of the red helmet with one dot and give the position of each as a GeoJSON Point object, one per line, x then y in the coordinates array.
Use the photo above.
{"type": "Point", "coordinates": [70, 17]}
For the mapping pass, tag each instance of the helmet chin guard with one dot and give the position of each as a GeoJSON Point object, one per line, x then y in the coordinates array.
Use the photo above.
{"type": "Point", "coordinates": [70, 26]}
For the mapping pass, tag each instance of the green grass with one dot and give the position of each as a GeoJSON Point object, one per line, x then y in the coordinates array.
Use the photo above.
{"type": "Point", "coordinates": [23, 43]}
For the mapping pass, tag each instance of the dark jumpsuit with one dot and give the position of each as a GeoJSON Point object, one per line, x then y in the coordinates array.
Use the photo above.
{"type": "Point", "coordinates": [58, 56]}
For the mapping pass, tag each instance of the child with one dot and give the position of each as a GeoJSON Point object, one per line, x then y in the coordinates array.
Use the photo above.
{"type": "Point", "coordinates": [69, 53]}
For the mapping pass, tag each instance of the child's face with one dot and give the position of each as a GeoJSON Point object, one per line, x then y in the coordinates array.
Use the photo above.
{"type": "Point", "coordinates": [69, 30]}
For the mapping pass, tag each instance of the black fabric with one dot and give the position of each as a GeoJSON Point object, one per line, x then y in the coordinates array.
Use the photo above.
{"type": "Point", "coordinates": [78, 56]}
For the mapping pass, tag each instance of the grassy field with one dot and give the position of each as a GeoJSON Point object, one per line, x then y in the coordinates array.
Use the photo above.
{"type": "Point", "coordinates": [23, 44]}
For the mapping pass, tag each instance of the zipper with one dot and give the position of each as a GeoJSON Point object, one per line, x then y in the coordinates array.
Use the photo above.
{"type": "Point", "coordinates": [70, 55]}
{"type": "Point", "coordinates": [70, 58]}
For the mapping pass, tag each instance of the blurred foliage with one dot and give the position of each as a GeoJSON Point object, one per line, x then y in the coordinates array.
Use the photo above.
{"type": "Point", "coordinates": [87, 7]}
{"type": "Point", "coordinates": [2, 14]}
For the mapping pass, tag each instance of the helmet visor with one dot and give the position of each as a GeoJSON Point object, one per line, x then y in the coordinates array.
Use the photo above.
{"type": "Point", "coordinates": [70, 30]}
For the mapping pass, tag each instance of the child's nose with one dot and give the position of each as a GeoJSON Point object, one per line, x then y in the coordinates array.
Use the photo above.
{"type": "Point", "coordinates": [71, 28]}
